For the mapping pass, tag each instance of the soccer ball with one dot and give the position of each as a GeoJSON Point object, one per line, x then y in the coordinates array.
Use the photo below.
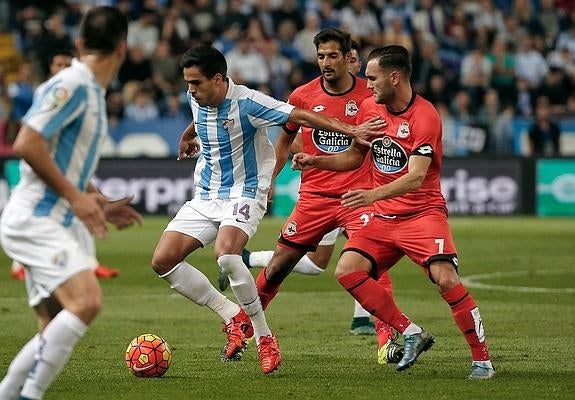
{"type": "Point", "coordinates": [148, 356]}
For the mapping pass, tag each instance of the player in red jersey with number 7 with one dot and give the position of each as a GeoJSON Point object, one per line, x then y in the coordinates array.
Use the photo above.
{"type": "Point", "coordinates": [410, 211]}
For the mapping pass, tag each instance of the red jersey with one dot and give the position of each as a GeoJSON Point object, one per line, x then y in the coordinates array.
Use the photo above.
{"type": "Point", "coordinates": [313, 96]}
{"type": "Point", "coordinates": [415, 131]}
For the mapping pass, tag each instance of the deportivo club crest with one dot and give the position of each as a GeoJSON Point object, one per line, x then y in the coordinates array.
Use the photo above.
{"type": "Point", "coordinates": [403, 130]}
{"type": "Point", "coordinates": [228, 123]}
{"type": "Point", "coordinates": [291, 228]}
{"type": "Point", "coordinates": [351, 108]}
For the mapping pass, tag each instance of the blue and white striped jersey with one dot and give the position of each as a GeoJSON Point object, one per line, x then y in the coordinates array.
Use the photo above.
{"type": "Point", "coordinates": [237, 157]}
{"type": "Point", "coordinates": [69, 111]}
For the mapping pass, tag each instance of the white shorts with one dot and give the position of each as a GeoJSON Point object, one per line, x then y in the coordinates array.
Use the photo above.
{"type": "Point", "coordinates": [201, 219]}
{"type": "Point", "coordinates": [330, 238]}
{"type": "Point", "coordinates": [51, 253]}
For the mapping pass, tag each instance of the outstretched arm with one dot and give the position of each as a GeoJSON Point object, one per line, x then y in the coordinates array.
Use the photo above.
{"type": "Point", "coordinates": [362, 133]}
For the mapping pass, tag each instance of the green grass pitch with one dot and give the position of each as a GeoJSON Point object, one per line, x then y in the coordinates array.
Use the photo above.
{"type": "Point", "coordinates": [527, 302]}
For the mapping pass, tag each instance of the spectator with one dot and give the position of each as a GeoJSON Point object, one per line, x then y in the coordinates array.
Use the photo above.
{"type": "Point", "coordinates": [303, 42]}
{"type": "Point", "coordinates": [566, 39]}
{"type": "Point", "coordinates": [430, 19]}
{"type": "Point", "coordinates": [142, 108]}
{"type": "Point", "coordinates": [545, 133]}
{"type": "Point", "coordinates": [549, 17]}
{"type": "Point", "coordinates": [512, 32]}
{"type": "Point", "coordinates": [279, 67]}
{"type": "Point", "coordinates": [245, 65]}
{"type": "Point", "coordinates": [437, 91]}
{"type": "Point", "coordinates": [523, 105]}
{"type": "Point", "coordinates": [530, 64]}
{"type": "Point", "coordinates": [475, 75]}
{"type": "Point", "coordinates": [289, 10]}
{"type": "Point", "coordinates": [359, 20]}
{"type": "Point", "coordinates": [21, 94]}
{"type": "Point", "coordinates": [556, 89]}
{"type": "Point", "coordinates": [460, 107]}
{"type": "Point", "coordinates": [328, 15]}
{"type": "Point", "coordinates": [166, 73]}
{"type": "Point", "coordinates": [234, 14]}
{"type": "Point", "coordinates": [395, 33]}
{"type": "Point", "coordinates": [136, 67]}
{"type": "Point", "coordinates": [175, 29]}
{"type": "Point", "coordinates": [143, 32]}
{"type": "Point", "coordinates": [503, 70]}
{"type": "Point", "coordinates": [204, 21]}
{"type": "Point", "coordinates": [426, 63]}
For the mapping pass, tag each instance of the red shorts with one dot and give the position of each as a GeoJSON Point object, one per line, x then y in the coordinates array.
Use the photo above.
{"type": "Point", "coordinates": [315, 215]}
{"type": "Point", "coordinates": [423, 237]}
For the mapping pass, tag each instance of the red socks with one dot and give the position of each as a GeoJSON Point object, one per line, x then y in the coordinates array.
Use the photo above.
{"type": "Point", "coordinates": [266, 290]}
{"type": "Point", "coordinates": [375, 298]}
{"type": "Point", "coordinates": [466, 316]}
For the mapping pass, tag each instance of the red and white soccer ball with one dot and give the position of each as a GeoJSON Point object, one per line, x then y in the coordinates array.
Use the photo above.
{"type": "Point", "coordinates": [148, 356]}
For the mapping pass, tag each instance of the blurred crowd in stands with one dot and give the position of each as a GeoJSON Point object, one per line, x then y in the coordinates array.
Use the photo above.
{"type": "Point", "coordinates": [482, 62]}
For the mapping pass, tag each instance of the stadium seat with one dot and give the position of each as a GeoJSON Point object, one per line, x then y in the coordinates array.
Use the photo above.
{"type": "Point", "coordinates": [143, 145]}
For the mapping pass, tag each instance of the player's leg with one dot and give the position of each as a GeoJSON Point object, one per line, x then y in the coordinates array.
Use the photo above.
{"type": "Point", "coordinates": [241, 219]}
{"type": "Point", "coordinates": [368, 249]}
{"type": "Point", "coordinates": [19, 368]}
{"type": "Point", "coordinates": [175, 244]}
{"type": "Point", "coordinates": [433, 234]}
{"type": "Point", "coordinates": [80, 297]}
{"type": "Point", "coordinates": [309, 221]}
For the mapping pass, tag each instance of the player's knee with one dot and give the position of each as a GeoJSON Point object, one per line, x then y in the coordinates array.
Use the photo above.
{"type": "Point", "coordinates": [87, 308]}
{"type": "Point", "coordinates": [444, 275]}
{"type": "Point", "coordinates": [229, 262]}
{"type": "Point", "coordinates": [163, 262]}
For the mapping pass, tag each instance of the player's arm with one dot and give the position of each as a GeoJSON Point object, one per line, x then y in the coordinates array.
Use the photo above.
{"type": "Point", "coordinates": [118, 212]}
{"type": "Point", "coordinates": [412, 180]}
{"type": "Point", "coordinates": [31, 147]}
{"type": "Point", "coordinates": [350, 159]}
{"type": "Point", "coordinates": [189, 144]}
{"type": "Point", "coordinates": [297, 145]}
{"type": "Point", "coordinates": [282, 149]}
{"type": "Point", "coordinates": [362, 133]}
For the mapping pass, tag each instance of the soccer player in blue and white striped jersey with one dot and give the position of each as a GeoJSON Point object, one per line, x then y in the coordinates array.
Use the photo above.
{"type": "Point", "coordinates": [52, 206]}
{"type": "Point", "coordinates": [233, 176]}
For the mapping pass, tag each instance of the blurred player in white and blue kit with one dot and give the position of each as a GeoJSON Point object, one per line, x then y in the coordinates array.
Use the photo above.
{"type": "Point", "coordinates": [54, 204]}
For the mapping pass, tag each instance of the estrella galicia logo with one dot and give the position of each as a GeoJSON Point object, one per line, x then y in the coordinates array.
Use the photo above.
{"type": "Point", "coordinates": [388, 156]}
{"type": "Point", "coordinates": [330, 142]}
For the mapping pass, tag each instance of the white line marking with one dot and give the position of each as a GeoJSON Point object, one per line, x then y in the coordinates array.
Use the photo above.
{"type": "Point", "coordinates": [472, 281]}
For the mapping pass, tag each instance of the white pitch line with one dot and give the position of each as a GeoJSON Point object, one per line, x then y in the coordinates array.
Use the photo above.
{"type": "Point", "coordinates": [472, 281]}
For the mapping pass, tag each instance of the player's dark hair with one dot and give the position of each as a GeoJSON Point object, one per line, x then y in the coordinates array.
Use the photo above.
{"type": "Point", "coordinates": [356, 46]}
{"type": "Point", "coordinates": [209, 61]}
{"type": "Point", "coordinates": [333, 35]}
{"type": "Point", "coordinates": [103, 28]}
{"type": "Point", "coordinates": [63, 51]}
{"type": "Point", "coordinates": [392, 57]}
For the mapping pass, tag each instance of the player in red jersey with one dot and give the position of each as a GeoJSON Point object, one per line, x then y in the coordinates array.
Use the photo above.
{"type": "Point", "coordinates": [411, 213]}
{"type": "Point", "coordinates": [336, 93]}
{"type": "Point", "coordinates": [316, 262]}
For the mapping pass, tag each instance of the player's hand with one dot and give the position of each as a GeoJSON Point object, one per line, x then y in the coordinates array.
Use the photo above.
{"type": "Point", "coordinates": [358, 198]}
{"type": "Point", "coordinates": [188, 148]}
{"type": "Point", "coordinates": [121, 214]}
{"type": "Point", "coordinates": [370, 129]}
{"type": "Point", "coordinates": [89, 208]}
{"type": "Point", "coordinates": [302, 162]}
